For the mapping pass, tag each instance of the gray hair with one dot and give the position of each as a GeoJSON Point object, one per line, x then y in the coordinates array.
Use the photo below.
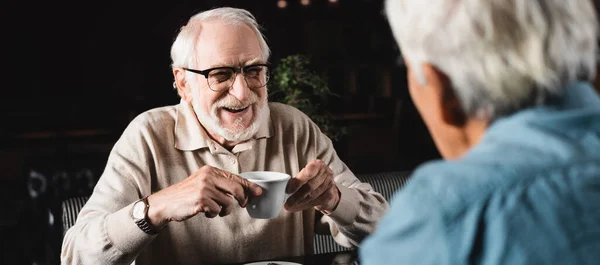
{"type": "Point", "coordinates": [500, 55]}
{"type": "Point", "coordinates": [183, 50]}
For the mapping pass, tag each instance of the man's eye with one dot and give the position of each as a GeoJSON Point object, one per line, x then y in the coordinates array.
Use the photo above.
{"type": "Point", "coordinates": [220, 76]}
{"type": "Point", "coordinates": [254, 71]}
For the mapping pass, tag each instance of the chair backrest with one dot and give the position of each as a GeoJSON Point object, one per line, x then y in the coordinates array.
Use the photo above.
{"type": "Point", "coordinates": [385, 183]}
{"type": "Point", "coordinates": [70, 210]}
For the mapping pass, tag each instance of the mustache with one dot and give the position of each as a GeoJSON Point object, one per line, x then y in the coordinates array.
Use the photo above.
{"type": "Point", "coordinates": [232, 102]}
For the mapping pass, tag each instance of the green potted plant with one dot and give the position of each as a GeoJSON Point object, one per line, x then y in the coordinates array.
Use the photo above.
{"type": "Point", "coordinates": [295, 83]}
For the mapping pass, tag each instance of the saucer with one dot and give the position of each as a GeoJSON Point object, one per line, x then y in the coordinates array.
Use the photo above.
{"type": "Point", "coordinates": [273, 261]}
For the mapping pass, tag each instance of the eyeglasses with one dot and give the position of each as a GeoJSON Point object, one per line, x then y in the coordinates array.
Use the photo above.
{"type": "Point", "coordinates": [222, 78]}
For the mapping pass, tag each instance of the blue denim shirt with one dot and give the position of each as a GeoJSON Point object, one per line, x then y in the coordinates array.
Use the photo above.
{"type": "Point", "coordinates": [528, 193]}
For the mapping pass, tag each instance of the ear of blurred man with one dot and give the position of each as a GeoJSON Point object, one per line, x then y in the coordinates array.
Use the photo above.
{"type": "Point", "coordinates": [452, 130]}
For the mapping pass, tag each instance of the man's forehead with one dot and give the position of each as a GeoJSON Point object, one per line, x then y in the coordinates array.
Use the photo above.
{"type": "Point", "coordinates": [224, 44]}
{"type": "Point", "coordinates": [236, 63]}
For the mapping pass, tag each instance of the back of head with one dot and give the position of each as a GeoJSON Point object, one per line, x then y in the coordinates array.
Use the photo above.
{"type": "Point", "coordinates": [500, 55]}
{"type": "Point", "coordinates": [183, 50]}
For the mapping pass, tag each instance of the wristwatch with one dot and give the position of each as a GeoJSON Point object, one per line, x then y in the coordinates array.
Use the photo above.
{"type": "Point", "coordinates": [139, 213]}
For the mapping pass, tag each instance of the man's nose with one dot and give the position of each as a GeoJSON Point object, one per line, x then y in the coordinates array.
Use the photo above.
{"type": "Point", "coordinates": [240, 89]}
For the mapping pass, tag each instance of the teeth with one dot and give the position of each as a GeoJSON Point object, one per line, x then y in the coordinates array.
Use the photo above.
{"type": "Point", "coordinates": [236, 108]}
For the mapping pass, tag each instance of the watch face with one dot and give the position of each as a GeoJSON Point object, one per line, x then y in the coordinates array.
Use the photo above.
{"type": "Point", "coordinates": [138, 210]}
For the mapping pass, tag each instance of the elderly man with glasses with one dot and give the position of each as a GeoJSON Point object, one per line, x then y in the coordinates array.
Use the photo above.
{"type": "Point", "coordinates": [504, 88]}
{"type": "Point", "coordinates": [171, 193]}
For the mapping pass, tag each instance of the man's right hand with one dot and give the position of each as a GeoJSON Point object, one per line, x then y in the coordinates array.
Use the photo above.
{"type": "Point", "coordinates": [209, 190]}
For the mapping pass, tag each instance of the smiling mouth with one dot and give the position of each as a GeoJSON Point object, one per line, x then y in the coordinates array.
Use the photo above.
{"type": "Point", "coordinates": [235, 109]}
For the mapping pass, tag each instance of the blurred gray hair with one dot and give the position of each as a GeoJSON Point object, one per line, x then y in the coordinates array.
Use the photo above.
{"type": "Point", "coordinates": [183, 50]}
{"type": "Point", "coordinates": [500, 55]}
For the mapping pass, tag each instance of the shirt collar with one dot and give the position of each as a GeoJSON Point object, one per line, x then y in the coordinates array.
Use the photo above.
{"type": "Point", "coordinates": [190, 134]}
{"type": "Point", "coordinates": [574, 112]}
{"type": "Point", "coordinates": [579, 95]}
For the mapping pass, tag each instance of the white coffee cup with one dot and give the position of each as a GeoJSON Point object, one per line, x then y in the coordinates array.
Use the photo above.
{"type": "Point", "coordinates": [269, 204]}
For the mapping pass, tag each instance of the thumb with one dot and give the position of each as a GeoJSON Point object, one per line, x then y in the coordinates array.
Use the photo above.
{"type": "Point", "coordinates": [255, 189]}
{"type": "Point", "coordinates": [252, 188]}
{"type": "Point", "coordinates": [249, 187]}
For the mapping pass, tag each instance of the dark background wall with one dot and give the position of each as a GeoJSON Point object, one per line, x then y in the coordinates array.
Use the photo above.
{"type": "Point", "coordinates": [76, 72]}
{"type": "Point", "coordinates": [84, 70]}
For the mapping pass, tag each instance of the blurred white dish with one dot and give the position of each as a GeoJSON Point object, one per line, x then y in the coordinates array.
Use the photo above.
{"type": "Point", "coordinates": [275, 261]}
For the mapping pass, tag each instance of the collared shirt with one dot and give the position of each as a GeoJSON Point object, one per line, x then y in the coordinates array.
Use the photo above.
{"type": "Point", "coordinates": [163, 146]}
{"type": "Point", "coordinates": [528, 193]}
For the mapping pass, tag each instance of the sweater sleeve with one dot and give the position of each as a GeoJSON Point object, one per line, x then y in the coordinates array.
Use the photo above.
{"type": "Point", "coordinates": [104, 232]}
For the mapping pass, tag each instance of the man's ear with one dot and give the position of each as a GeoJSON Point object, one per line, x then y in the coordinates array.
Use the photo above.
{"type": "Point", "coordinates": [183, 89]}
{"type": "Point", "coordinates": [452, 112]}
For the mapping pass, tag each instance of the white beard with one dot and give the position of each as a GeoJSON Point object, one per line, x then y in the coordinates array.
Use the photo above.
{"type": "Point", "coordinates": [239, 133]}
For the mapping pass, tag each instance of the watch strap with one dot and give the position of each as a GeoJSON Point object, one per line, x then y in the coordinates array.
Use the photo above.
{"type": "Point", "coordinates": [144, 223]}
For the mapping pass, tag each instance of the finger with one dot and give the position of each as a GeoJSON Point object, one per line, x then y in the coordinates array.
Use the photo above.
{"type": "Point", "coordinates": [210, 214]}
{"type": "Point", "coordinates": [291, 204]}
{"type": "Point", "coordinates": [311, 189]}
{"type": "Point", "coordinates": [237, 186]}
{"type": "Point", "coordinates": [317, 180]}
{"type": "Point", "coordinates": [307, 173]}
{"type": "Point", "coordinates": [326, 200]}
{"type": "Point", "coordinates": [323, 201]}
{"type": "Point", "coordinates": [307, 198]}
{"type": "Point", "coordinates": [249, 187]}
{"type": "Point", "coordinates": [220, 197]}
{"type": "Point", "coordinates": [227, 208]}
{"type": "Point", "coordinates": [225, 202]}
{"type": "Point", "coordinates": [210, 207]}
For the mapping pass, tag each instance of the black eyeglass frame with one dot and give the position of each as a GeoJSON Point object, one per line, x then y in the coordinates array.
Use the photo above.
{"type": "Point", "coordinates": [235, 70]}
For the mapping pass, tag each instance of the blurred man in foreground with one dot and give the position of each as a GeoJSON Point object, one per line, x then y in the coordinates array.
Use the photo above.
{"type": "Point", "coordinates": [504, 89]}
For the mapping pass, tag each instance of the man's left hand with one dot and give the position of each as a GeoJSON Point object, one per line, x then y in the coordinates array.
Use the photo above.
{"type": "Point", "coordinates": [313, 187]}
